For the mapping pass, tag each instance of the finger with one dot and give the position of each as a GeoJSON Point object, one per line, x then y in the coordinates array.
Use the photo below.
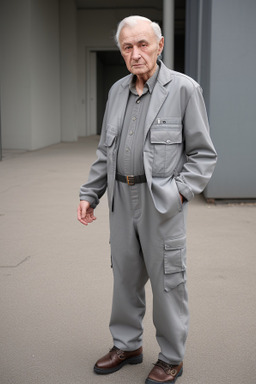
{"type": "Point", "coordinates": [79, 213]}
{"type": "Point", "coordinates": [90, 213]}
{"type": "Point", "coordinates": [83, 222]}
{"type": "Point", "coordinates": [89, 218]}
{"type": "Point", "coordinates": [92, 216]}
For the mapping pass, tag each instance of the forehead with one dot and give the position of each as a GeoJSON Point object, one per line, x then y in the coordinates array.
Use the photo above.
{"type": "Point", "coordinates": [140, 31]}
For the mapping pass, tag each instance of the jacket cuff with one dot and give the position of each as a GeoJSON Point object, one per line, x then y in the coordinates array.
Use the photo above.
{"type": "Point", "coordinates": [184, 190]}
{"type": "Point", "coordinates": [90, 200]}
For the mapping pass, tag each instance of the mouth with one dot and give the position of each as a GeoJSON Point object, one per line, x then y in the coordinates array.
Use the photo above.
{"type": "Point", "coordinates": [137, 65]}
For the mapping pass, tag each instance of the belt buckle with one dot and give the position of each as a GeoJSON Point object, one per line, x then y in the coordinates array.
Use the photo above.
{"type": "Point", "coordinates": [130, 180]}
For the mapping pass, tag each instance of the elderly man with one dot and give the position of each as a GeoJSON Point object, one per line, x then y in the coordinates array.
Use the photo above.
{"type": "Point", "coordinates": [154, 154]}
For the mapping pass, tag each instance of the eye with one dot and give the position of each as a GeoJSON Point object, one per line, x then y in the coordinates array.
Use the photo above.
{"type": "Point", "coordinates": [127, 48]}
{"type": "Point", "coordinates": [144, 45]}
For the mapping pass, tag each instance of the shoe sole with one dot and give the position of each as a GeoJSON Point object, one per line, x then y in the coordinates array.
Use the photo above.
{"type": "Point", "coordinates": [132, 360]}
{"type": "Point", "coordinates": [149, 381]}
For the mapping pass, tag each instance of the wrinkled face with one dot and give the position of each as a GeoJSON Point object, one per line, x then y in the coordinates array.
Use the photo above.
{"type": "Point", "coordinates": [140, 48]}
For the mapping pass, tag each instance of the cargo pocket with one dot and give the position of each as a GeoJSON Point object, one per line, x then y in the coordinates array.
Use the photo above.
{"type": "Point", "coordinates": [174, 263]}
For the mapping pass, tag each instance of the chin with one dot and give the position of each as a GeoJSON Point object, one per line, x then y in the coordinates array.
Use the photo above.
{"type": "Point", "coordinates": [139, 71]}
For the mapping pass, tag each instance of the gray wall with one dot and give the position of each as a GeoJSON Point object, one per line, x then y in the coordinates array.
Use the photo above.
{"type": "Point", "coordinates": [44, 59]}
{"type": "Point", "coordinates": [15, 73]}
{"type": "Point", "coordinates": [30, 76]}
{"type": "Point", "coordinates": [68, 69]}
{"type": "Point", "coordinates": [226, 63]}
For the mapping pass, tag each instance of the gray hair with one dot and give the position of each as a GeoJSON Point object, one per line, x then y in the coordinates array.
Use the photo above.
{"type": "Point", "coordinates": [131, 21]}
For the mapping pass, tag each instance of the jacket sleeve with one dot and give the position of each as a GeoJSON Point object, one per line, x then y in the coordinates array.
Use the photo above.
{"type": "Point", "coordinates": [200, 152]}
{"type": "Point", "coordinates": [96, 185]}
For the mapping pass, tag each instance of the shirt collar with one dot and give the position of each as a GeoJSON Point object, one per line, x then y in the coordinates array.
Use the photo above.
{"type": "Point", "coordinates": [149, 85]}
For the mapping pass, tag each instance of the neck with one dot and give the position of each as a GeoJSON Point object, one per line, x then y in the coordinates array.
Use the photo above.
{"type": "Point", "coordinates": [141, 80]}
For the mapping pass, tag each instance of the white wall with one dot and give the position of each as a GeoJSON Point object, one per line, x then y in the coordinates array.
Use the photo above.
{"type": "Point", "coordinates": [30, 76]}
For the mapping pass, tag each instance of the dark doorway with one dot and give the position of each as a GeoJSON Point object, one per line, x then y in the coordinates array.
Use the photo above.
{"type": "Point", "coordinates": [110, 68]}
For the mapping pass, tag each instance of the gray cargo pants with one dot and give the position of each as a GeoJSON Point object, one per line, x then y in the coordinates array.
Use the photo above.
{"type": "Point", "coordinates": [146, 245]}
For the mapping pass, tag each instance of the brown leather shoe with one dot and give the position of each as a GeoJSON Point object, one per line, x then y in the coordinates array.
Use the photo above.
{"type": "Point", "coordinates": [164, 373]}
{"type": "Point", "coordinates": [116, 359]}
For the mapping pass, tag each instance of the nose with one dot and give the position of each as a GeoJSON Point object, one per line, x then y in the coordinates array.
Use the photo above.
{"type": "Point", "coordinates": [135, 53]}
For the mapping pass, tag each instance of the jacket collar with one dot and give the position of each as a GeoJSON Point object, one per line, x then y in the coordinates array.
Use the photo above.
{"type": "Point", "coordinates": [165, 74]}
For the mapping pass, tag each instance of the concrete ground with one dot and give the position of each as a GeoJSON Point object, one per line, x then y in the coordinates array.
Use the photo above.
{"type": "Point", "coordinates": [56, 280]}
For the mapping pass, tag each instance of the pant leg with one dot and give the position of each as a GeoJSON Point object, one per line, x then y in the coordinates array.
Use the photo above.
{"type": "Point", "coordinates": [163, 242]}
{"type": "Point", "coordinates": [130, 275]}
{"type": "Point", "coordinates": [145, 243]}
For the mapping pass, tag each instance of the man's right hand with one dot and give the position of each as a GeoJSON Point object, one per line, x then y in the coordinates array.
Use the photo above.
{"type": "Point", "coordinates": [85, 214]}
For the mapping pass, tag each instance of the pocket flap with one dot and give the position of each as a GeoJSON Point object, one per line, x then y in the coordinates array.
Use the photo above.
{"type": "Point", "coordinates": [166, 136]}
{"type": "Point", "coordinates": [178, 243]}
{"type": "Point", "coordinates": [110, 137]}
{"type": "Point", "coordinates": [175, 255]}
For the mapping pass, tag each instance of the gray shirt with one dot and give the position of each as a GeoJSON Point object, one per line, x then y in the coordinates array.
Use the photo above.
{"type": "Point", "coordinates": [130, 154]}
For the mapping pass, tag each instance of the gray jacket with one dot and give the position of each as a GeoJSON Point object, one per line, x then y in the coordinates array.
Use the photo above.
{"type": "Point", "coordinates": [178, 154]}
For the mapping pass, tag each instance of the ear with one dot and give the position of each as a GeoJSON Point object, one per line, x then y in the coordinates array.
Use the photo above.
{"type": "Point", "coordinates": [160, 45]}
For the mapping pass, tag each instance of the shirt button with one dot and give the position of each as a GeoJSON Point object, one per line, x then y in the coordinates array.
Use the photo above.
{"type": "Point", "coordinates": [138, 101]}
{"type": "Point", "coordinates": [131, 133]}
{"type": "Point", "coordinates": [134, 118]}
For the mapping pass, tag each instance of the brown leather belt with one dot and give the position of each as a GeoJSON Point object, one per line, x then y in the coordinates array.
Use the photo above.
{"type": "Point", "coordinates": [130, 179]}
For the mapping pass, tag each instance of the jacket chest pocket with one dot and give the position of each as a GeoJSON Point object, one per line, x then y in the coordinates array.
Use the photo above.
{"type": "Point", "coordinates": [166, 143]}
